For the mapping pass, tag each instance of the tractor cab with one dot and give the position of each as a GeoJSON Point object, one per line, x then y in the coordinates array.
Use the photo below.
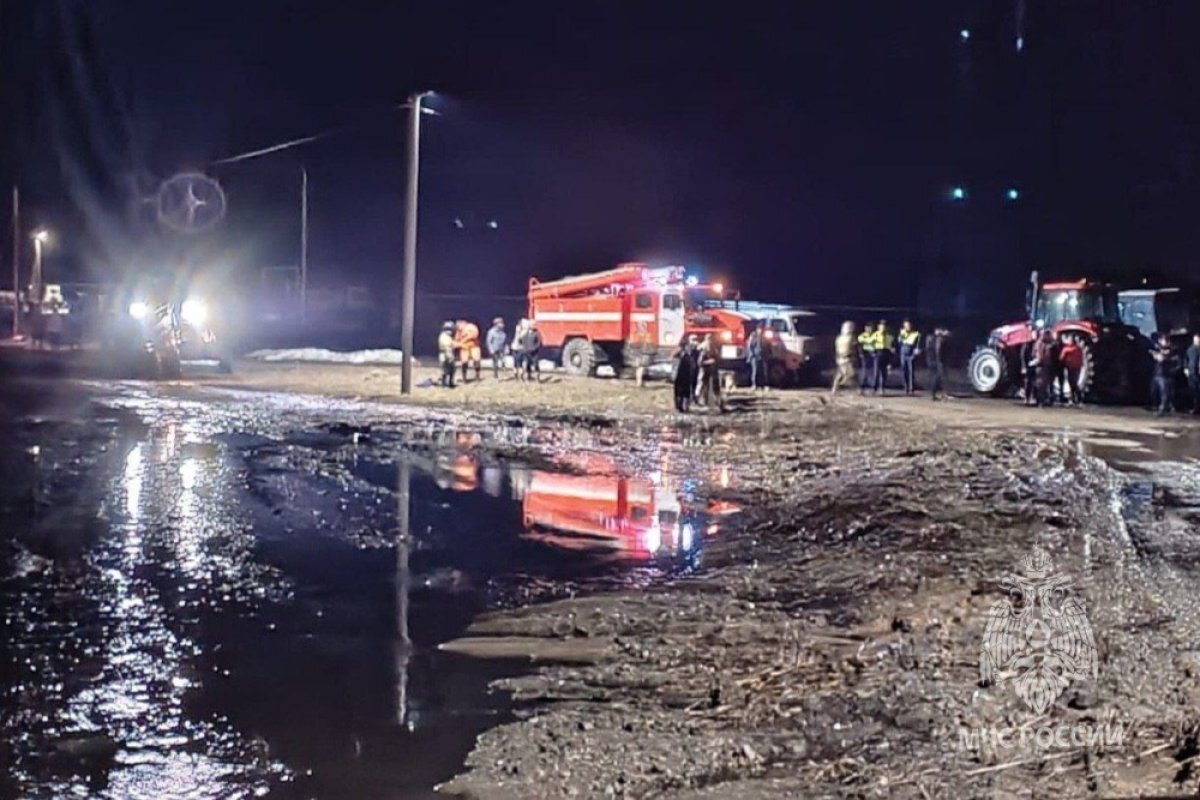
{"type": "Point", "coordinates": [1076, 302]}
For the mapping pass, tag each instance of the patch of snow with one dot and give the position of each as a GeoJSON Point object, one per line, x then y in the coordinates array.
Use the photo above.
{"type": "Point", "coordinates": [322, 356]}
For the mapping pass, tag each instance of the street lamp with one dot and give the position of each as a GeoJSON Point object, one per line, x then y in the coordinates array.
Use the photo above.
{"type": "Point", "coordinates": [408, 298]}
{"type": "Point", "coordinates": [40, 238]}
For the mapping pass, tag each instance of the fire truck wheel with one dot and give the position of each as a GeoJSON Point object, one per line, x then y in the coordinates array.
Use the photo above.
{"type": "Point", "coordinates": [579, 358]}
{"type": "Point", "coordinates": [1089, 379]}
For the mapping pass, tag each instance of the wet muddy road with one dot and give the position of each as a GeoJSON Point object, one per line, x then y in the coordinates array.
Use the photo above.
{"type": "Point", "coordinates": [209, 593]}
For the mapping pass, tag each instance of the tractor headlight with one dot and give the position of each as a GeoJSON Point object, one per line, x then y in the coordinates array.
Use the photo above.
{"type": "Point", "coordinates": [193, 312]}
{"type": "Point", "coordinates": [138, 309]}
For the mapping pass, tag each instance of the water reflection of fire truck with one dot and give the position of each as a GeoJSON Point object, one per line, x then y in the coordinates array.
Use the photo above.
{"type": "Point", "coordinates": [630, 516]}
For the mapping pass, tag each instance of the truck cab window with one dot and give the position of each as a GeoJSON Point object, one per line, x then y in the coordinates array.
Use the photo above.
{"type": "Point", "coordinates": [643, 301]}
{"type": "Point", "coordinates": [671, 302]}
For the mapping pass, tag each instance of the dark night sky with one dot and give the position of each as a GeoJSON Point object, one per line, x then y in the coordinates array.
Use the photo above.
{"type": "Point", "coordinates": [802, 149]}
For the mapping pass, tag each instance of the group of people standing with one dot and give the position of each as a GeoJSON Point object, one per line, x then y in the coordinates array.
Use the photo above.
{"type": "Point", "coordinates": [874, 350]}
{"type": "Point", "coordinates": [1050, 369]}
{"type": "Point", "coordinates": [458, 346]}
{"type": "Point", "coordinates": [1166, 372]}
{"type": "Point", "coordinates": [697, 379]}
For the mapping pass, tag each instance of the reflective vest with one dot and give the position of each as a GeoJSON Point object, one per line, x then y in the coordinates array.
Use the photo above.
{"type": "Point", "coordinates": [866, 341]}
{"type": "Point", "coordinates": [908, 339]}
{"type": "Point", "coordinates": [882, 340]}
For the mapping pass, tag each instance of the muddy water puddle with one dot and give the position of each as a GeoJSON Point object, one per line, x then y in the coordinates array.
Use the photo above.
{"type": "Point", "coordinates": [223, 599]}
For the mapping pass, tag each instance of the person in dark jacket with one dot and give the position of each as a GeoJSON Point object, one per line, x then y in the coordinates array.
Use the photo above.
{"type": "Point", "coordinates": [710, 375]}
{"type": "Point", "coordinates": [685, 377]}
{"type": "Point", "coordinates": [937, 365]}
{"type": "Point", "coordinates": [693, 352]}
{"type": "Point", "coordinates": [909, 341]}
{"type": "Point", "coordinates": [1029, 370]}
{"type": "Point", "coordinates": [1045, 360]}
{"type": "Point", "coordinates": [1191, 369]}
{"type": "Point", "coordinates": [756, 356]}
{"type": "Point", "coordinates": [497, 343]}
{"type": "Point", "coordinates": [531, 345]}
{"type": "Point", "coordinates": [1164, 375]}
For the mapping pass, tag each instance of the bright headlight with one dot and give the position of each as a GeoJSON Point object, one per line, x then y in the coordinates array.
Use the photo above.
{"type": "Point", "coordinates": [138, 309]}
{"type": "Point", "coordinates": [193, 312]}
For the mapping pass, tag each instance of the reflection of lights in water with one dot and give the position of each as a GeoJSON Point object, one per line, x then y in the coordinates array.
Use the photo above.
{"type": "Point", "coordinates": [187, 473]}
{"type": "Point", "coordinates": [492, 478]}
{"type": "Point", "coordinates": [170, 443]}
{"type": "Point", "coordinates": [190, 530]}
{"type": "Point", "coordinates": [713, 529]}
{"type": "Point", "coordinates": [653, 539]}
{"type": "Point", "coordinates": [723, 477]}
{"type": "Point", "coordinates": [687, 537]}
{"type": "Point", "coordinates": [132, 479]}
{"type": "Point", "coordinates": [519, 479]}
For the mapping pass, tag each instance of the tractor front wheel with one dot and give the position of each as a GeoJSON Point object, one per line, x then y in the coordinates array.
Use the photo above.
{"type": "Point", "coordinates": [988, 371]}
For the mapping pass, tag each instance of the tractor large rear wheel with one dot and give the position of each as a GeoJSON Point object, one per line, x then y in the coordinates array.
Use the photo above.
{"type": "Point", "coordinates": [1088, 381]}
{"type": "Point", "coordinates": [1108, 368]}
{"type": "Point", "coordinates": [988, 371]}
{"type": "Point", "coordinates": [579, 358]}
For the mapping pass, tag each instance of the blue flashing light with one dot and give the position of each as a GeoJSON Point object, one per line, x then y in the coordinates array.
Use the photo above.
{"type": "Point", "coordinates": [1013, 193]}
{"type": "Point", "coordinates": [692, 280]}
{"type": "Point", "coordinates": [964, 34]}
{"type": "Point", "coordinates": [958, 193]}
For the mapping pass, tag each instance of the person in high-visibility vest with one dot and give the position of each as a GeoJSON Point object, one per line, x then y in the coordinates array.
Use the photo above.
{"type": "Point", "coordinates": [910, 346]}
{"type": "Point", "coordinates": [866, 357]}
{"type": "Point", "coordinates": [882, 343]}
{"type": "Point", "coordinates": [466, 340]}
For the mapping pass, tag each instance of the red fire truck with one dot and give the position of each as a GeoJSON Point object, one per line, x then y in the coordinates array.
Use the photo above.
{"type": "Point", "coordinates": [631, 311]}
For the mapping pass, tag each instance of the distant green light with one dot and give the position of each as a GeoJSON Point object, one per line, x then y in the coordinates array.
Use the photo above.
{"type": "Point", "coordinates": [958, 193]}
{"type": "Point", "coordinates": [1013, 194]}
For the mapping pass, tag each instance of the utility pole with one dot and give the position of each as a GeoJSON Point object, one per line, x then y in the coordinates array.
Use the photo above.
{"type": "Point", "coordinates": [35, 283]}
{"type": "Point", "coordinates": [408, 299]}
{"type": "Point", "coordinates": [16, 265]}
{"type": "Point", "coordinates": [303, 245]}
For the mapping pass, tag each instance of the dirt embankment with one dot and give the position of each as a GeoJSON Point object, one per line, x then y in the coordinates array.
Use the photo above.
{"type": "Point", "coordinates": [560, 397]}
{"type": "Point", "coordinates": [833, 647]}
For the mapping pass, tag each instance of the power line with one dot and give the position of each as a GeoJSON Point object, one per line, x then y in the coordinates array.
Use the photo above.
{"type": "Point", "coordinates": [275, 148]}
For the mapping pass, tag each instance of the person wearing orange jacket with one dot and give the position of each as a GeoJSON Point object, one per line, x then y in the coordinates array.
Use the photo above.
{"type": "Point", "coordinates": [466, 341]}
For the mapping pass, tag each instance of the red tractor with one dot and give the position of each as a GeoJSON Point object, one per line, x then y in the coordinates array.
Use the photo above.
{"type": "Point", "coordinates": [1084, 311]}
